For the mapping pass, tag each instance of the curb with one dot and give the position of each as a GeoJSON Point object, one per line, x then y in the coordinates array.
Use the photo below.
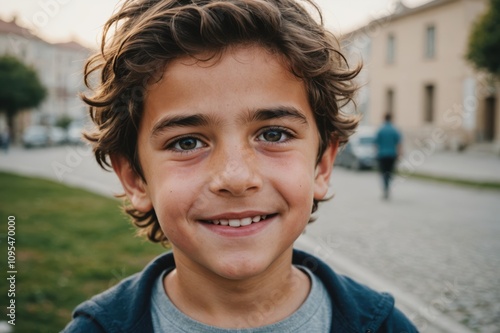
{"type": "Point", "coordinates": [424, 316]}
{"type": "Point", "coordinates": [69, 180]}
{"type": "Point", "coordinates": [5, 327]}
{"type": "Point", "coordinates": [470, 182]}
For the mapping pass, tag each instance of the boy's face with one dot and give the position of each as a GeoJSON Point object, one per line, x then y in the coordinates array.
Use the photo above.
{"type": "Point", "coordinates": [232, 141]}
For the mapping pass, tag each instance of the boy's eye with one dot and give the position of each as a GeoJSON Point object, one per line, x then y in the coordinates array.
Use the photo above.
{"type": "Point", "coordinates": [186, 144]}
{"type": "Point", "coordinates": [274, 135]}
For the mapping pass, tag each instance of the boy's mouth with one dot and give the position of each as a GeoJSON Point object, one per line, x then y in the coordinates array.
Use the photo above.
{"type": "Point", "coordinates": [236, 223]}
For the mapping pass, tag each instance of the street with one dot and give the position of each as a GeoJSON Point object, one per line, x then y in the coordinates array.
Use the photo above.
{"type": "Point", "coordinates": [438, 244]}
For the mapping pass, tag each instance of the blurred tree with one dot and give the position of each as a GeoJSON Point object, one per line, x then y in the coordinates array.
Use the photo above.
{"type": "Point", "coordinates": [484, 40]}
{"type": "Point", "coordinates": [20, 88]}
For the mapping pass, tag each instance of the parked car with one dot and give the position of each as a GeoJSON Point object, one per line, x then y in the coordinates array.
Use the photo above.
{"type": "Point", "coordinates": [360, 152]}
{"type": "Point", "coordinates": [57, 136]}
{"type": "Point", "coordinates": [75, 133]}
{"type": "Point", "coordinates": [35, 136]}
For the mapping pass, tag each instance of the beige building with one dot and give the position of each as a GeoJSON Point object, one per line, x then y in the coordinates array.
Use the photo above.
{"type": "Point", "coordinates": [59, 67]}
{"type": "Point", "coordinates": [415, 68]}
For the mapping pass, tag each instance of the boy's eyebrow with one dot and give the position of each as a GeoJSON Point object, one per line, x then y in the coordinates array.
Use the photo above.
{"type": "Point", "coordinates": [277, 112]}
{"type": "Point", "coordinates": [179, 121]}
{"type": "Point", "coordinates": [204, 120]}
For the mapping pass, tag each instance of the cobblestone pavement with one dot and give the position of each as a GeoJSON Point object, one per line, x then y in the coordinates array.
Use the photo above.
{"type": "Point", "coordinates": [438, 242]}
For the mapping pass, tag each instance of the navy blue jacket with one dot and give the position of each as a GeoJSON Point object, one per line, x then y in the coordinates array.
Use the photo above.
{"type": "Point", "coordinates": [126, 306]}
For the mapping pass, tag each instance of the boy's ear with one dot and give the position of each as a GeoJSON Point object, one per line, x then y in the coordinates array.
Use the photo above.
{"type": "Point", "coordinates": [132, 183]}
{"type": "Point", "coordinates": [324, 170]}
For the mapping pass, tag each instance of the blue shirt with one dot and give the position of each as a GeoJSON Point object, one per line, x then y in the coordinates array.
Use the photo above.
{"type": "Point", "coordinates": [387, 140]}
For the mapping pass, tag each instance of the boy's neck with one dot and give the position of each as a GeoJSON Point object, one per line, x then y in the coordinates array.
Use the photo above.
{"type": "Point", "coordinates": [257, 301]}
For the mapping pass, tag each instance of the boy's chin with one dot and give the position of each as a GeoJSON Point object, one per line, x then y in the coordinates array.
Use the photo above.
{"type": "Point", "coordinates": [238, 267]}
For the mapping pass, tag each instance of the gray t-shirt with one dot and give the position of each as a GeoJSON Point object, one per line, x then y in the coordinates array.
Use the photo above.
{"type": "Point", "coordinates": [313, 316]}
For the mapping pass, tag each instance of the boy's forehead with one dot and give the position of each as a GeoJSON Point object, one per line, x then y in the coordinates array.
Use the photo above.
{"type": "Point", "coordinates": [251, 75]}
{"type": "Point", "coordinates": [231, 63]}
{"type": "Point", "coordinates": [238, 53]}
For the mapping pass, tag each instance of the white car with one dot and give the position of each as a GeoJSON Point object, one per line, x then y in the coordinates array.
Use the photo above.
{"type": "Point", "coordinates": [360, 152]}
{"type": "Point", "coordinates": [57, 136]}
{"type": "Point", "coordinates": [36, 136]}
{"type": "Point", "coordinates": [75, 133]}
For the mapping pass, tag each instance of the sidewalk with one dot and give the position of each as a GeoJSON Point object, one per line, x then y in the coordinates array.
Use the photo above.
{"type": "Point", "coordinates": [427, 319]}
{"type": "Point", "coordinates": [470, 165]}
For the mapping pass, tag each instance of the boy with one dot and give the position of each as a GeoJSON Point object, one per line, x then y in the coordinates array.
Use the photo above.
{"type": "Point", "coordinates": [221, 120]}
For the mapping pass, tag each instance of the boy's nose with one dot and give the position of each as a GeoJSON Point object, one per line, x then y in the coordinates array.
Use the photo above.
{"type": "Point", "coordinates": [235, 172]}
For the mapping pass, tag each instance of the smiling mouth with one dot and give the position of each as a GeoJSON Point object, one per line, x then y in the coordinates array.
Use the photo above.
{"type": "Point", "coordinates": [236, 223]}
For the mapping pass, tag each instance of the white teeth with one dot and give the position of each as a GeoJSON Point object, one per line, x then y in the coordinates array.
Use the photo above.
{"type": "Point", "coordinates": [234, 223]}
{"type": "Point", "coordinates": [246, 221]}
{"type": "Point", "coordinates": [239, 222]}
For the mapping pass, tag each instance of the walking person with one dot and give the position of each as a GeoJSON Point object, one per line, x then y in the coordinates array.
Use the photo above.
{"type": "Point", "coordinates": [388, 142]}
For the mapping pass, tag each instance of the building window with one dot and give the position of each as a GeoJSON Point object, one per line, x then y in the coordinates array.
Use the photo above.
{"type": "Point", "coordinates": [429, 103]}
{"type": "Point", "coordinates": [430, 42]}
{"type": "Point", "coordinates": [389, 102]}
{"type": "Point", "coordinates": [391, 49]}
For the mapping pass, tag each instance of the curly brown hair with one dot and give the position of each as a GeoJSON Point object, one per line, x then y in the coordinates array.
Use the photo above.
{"type": "Point", "coordinates": [141, 38]}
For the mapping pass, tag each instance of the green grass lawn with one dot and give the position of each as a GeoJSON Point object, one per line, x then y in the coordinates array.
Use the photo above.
{"type": "Point", "coordinates": [70, 245]}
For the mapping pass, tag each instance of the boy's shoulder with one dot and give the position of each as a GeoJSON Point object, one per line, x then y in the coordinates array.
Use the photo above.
{"type": "Point", "coordinates": [124, 307]}
{"type": "Point", "coordinates": [355, 307]}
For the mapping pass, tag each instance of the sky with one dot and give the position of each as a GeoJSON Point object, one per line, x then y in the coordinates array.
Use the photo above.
{"type": "Point", "coordinates": [82, 20]}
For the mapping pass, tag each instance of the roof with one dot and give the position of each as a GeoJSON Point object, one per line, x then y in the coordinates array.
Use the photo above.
{"type": "Point", "coordinates": [13, 28]}
{"type": "Point", "coordinates": [401, 11]}
{"type": "Point", "coordinates": [406, 11]}
{"type": "Point", "coordinates": [72, 46]}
